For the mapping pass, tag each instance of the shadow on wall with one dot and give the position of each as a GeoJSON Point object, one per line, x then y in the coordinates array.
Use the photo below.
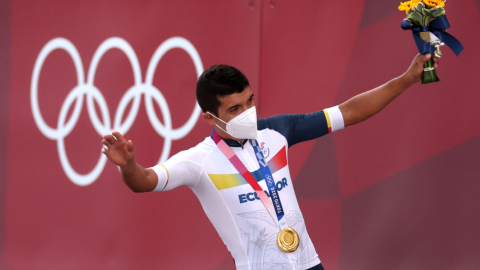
{"type": "Point", "coordinates": [425, 217]}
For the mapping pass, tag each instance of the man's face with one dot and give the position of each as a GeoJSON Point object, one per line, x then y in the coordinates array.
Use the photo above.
{"type": "Point", "coordinates": [231, 106]}
{"type": "Point", "coordinates": [234, 104]}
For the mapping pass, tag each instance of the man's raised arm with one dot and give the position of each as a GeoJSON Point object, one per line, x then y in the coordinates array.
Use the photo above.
{"type": "Point", "coordinates": [363, 106]}
{"type": "Point", "coordinates": [122, 153]}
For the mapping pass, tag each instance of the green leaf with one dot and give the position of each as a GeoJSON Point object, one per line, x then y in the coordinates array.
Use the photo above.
{"type": "Point", "coordinates": [438, 11]}
{"type": "Point", "coordinates": [420, 7]}
{"type": "Point", "coordinates": [413, 21]}
{"type": "Point", "coordinates": [415, 16]}
{"type": "Point", "coordinates": [427, 12]}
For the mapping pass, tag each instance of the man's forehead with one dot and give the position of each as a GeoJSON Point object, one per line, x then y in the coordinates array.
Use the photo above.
{"type": "Point", "coordinates": [235, 98]}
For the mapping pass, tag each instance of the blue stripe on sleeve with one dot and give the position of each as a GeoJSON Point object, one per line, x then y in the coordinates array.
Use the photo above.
{"type": "Point", "coordinates": [296, 127]}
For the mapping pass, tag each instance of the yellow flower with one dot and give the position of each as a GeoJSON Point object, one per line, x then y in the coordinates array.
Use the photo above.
{"type": "Point", "coordinates": [434, 3]}
{"type": "Point", "coordinates": [406, 6]}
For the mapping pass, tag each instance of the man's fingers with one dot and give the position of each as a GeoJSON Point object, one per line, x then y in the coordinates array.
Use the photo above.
{"type": "Point", "coordinates": [109, 154]}
{"type": "Point", "coordinates": [106, 143]}
{"type": "Point", "coordinates": [130, 146]}
{"type": "Point", "coordinates": [436, 62]}
{"type": "Point", "coordinates": [119, 137]}
{"type": "Point", "coordinates": [424, 59]}
{"type": "Point", "coordinates": [109, 138]}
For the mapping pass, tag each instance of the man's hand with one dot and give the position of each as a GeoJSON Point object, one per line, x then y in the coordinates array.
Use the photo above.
{"type": "Point", "coordinates": [122, 153]}
{"type": "Point", "coordinates": [415, 71]}
{"type": "Point", "coordinates": [119, 151]}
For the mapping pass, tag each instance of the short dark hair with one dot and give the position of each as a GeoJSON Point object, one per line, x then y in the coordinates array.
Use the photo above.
{"type": "Point", "coordinates": [218, 81]}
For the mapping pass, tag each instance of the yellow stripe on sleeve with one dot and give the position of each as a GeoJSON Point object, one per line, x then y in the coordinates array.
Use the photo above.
{"type": "Point", "coordinates": [168, 175]}
{"type": "Point", "coordinates": [328, 120]}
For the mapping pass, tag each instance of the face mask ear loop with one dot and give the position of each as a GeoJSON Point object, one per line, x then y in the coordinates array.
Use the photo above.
{"type": "Point", "coordinates": [217, 118]}
{"type": "Point", "coordinates": [219, 126]}
{"type": "Point", "coordinates": [223, 130]}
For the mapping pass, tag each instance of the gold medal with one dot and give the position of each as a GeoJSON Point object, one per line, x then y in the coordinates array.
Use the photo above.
{"type": "Point", "coordinates": [288, 240]}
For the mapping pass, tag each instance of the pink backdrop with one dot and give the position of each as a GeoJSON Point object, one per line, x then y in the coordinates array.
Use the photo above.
{"type": "Point", "coordinates": [399, 191]}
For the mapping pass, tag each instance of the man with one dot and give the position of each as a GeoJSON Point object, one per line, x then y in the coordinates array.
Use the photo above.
{"type": "Point", "coordinates": [245, 191]}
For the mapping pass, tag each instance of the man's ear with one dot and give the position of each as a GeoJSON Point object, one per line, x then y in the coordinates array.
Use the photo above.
{"type": "Point", "coordinates": [209, 118]}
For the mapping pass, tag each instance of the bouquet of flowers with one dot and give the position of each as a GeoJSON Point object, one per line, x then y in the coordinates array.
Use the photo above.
{"type": "Point", "coordinates": [427, 20]}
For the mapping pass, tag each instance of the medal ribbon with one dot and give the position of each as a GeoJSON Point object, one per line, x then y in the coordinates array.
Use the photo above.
{"type": "Point", "coordinates": [268, 179]}
{"type": "Point", "coordinates": [276, 210]}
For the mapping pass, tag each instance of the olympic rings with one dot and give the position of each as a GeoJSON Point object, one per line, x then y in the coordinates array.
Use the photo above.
{"type": "Point", "coordinates": [94, 95]}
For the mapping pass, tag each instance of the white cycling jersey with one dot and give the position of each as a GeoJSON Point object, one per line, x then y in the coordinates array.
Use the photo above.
{"type": "Point", "coordinates": [236, 212]}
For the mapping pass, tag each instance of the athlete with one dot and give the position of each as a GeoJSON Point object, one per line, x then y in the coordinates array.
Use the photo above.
{"type": "Point", "coordinates": [245, 190]}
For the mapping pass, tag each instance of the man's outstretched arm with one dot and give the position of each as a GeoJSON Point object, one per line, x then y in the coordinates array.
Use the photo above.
{"type": "Point", "coordinates": [363, 106]}
{"type": "Point", "coordinates": [122, 153]}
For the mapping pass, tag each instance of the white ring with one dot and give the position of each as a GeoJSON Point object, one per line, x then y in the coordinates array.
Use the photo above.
{"type": "Point", "coordinates": [93, 94]}
{"type": "Point", "coordinates": [57, 43]}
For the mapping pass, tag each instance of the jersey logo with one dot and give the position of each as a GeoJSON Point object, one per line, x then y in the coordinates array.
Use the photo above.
{"type": "Point", "coordinates": [265, 150]}
{"type": "Point", "coordinates": [252, 196]}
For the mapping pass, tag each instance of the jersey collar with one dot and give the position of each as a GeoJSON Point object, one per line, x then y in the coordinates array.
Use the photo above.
{"type": "Point", "coordinates": [231, 143]}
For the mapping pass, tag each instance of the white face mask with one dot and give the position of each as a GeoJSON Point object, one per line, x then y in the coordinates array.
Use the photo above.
{"type": "Point", "coordinates": [242, 126]}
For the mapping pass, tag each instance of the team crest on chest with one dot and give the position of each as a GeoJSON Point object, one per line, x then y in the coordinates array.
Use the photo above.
{"type": "Point", "coordinates": [265, 150]}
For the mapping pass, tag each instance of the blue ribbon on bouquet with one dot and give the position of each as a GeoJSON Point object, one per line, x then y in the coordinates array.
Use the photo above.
{"type": "Point", "coordinates": [437, 27]}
